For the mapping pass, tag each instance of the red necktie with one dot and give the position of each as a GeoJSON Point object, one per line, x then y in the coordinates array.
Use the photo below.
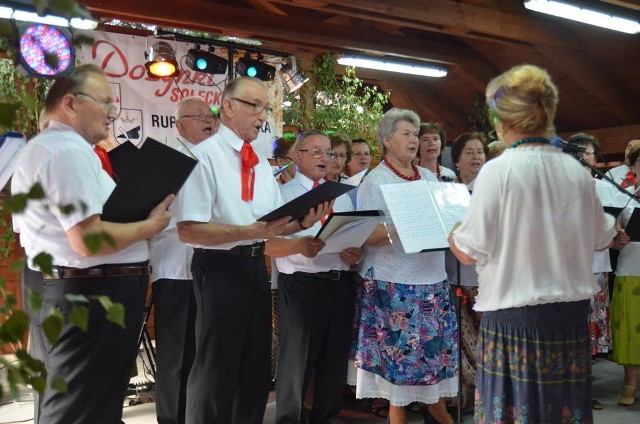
{"type": "Point", "coordinates": [249, 160]}
{"type": "Point", "coordinates": [629, 180]}
{"type": "Point", "coordinates": [324, 218]}
{"type": "Point", "coordinates": [103, 155]}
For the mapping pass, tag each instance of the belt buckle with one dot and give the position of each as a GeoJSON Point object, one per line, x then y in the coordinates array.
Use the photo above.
{"type": "Point", "coordinates": [256, 250]}
{"type": "Point", "coordinates": [335, 275]}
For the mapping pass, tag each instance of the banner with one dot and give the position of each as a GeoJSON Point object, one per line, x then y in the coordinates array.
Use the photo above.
{"type": "Point", "coordinates": [147, 105]}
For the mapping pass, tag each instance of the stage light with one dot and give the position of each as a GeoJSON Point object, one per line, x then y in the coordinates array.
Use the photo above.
{"type": "Point", "coordinates": [45, 50]}
{"type": "Point", "coordinates": [384, 65]}
{"type": "Point", "coordinates": [578, 13]}
{"type": "Point", "coordinates": [161, 60]}
{"type": "Point", "coordinates": [254, 68]}
{"type": "Point", "coordinates": [206, 62]}
{"type": "Point", "coordinates": [292, 79]}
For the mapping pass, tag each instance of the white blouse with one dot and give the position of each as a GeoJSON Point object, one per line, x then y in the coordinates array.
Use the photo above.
{"type": "Point", "coordinates": [390, 263]}
{"type": "Point", "coordinates": [532, 225]}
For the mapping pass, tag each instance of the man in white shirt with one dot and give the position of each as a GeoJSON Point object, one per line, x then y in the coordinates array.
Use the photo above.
{"type": "Point", "coordinates": [173, 300]}
{"type": "Point", "coordinates": [217, 212]}
{"type": "Point", "coordinates": [619, 173]}
{"type": "Point", "coordinates": [315, 305]}
{"type": "Point", "coordinates": [95, 364]}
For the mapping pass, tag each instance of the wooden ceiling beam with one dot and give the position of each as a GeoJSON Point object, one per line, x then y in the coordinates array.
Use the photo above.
{"type": "Point", "coordinates": [629, 4]}
{"type": "Point", "coordinates": [450, 17]}
{"type": "Point", "coordinates": [215, 17]}
{"type": "Point", "coordinates": [596, 80]}
{"type": "Point", "coordinates": [440, 109]}
{"type": "Point", "coordinates": [266, 6]}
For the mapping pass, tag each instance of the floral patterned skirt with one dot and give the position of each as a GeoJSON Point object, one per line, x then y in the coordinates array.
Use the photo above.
{"type": "Point", "coordinates": [599, 330]}
{"type": "Point", "coordinates": [534, 365]}
{"type": "Point", "coordinates": [407, 333]}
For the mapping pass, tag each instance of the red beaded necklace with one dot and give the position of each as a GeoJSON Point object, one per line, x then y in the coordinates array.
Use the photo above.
{"type": "Point", "coordinates": [438, 170]}
{"type": "Point", "coordinates": [399, 174]}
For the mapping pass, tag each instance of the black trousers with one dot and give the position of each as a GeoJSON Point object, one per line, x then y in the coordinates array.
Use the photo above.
{"type": "Point", "coordinates": [95, 365]}
{"type": "Point", "coordinates": [229, 381]}
{"type": "Point", "coordinates": [174, 319]}
{"type": "Point", "coordinates": [315, 331]}
{"type": "Point", "coordinates": [32, 282]}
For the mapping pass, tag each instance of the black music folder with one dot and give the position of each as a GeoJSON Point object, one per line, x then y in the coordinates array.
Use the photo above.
{"type": "Point", "coordinates": [633, 226]}
{"type": "Point", "coordinates": [155, 172]}
{"type": "Point", "coordinates": [298, 207]}
{"type": "Point", "coordinates": [121, 157]}
{"type": "Point", "coordinates": [611, 210]}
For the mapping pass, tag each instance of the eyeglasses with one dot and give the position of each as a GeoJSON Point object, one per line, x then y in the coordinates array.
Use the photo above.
{"type": "Point", "coordinates": [255, 108]}
{"type": "Point", "coordinates": [589, 152]}
{"type": "Point", "coordinates": [110, 108]}
{"type": "Point", "coordinates": [317, 153]}
{"type": "Point", "coordinates": [430, 139]}
{"type": "Point", "coordinates": [365, 154]}
{"type": "Point", "coordinates": [341, 156]}
{"type": "Point", "coordinates": [200, 117]}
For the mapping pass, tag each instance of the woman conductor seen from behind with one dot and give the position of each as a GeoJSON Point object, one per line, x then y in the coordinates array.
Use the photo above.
{"type": "Point", "coordinates": [533, 241]}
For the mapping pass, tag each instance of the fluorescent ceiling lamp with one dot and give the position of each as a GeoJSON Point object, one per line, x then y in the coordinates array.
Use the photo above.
{"type": "Point", "coordinates": [21, 15]}
{"type": "Point", "coordinates": [82, 23]}
{"type": "Point", "coordinates": [579, 14]}
{"type": "Point", "coordinates": [5, 12]}
{"type": "Point", "coordinates": [383, 65]}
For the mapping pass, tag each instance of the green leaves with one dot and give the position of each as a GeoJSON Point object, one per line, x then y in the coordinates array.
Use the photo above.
{"type": "Point", "coordinates": [53, 325]}
{"type": "Point", "coordinates": [34, 300]}
{"type": "Point", "coordinates": [58, 384]}
{"type": "Point", "coordinates": [93, 241]}
{"type": "Point", "coordinates": [115, 311]}
{"type": "Point", "coordinates": [15, 327]}
{"type": "Point", "coordinates": [79, 316]}
{"type": "Point", "coordinates": [44, 261]}
{"type": "Point", "coordinates": [345, 105]}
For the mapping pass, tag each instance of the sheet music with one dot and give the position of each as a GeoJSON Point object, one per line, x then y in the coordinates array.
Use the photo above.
{"type": "Point", "coordinates": [353, 234]}
{"type": "Point", "coordinates": [9, 149]}
{"type": "Point", "coordinates": [424, 213]}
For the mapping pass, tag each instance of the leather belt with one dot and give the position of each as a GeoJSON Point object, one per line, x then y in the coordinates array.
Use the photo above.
{"type": "Point", "coordinates": [327, 275]}
{"type": "Point", "coordinates": [252, 250]}
{"type": "Point", "coordinates": [62, 272]}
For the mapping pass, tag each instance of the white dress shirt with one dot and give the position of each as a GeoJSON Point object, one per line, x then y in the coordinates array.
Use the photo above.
{"type": "Point", "coordinates": [296, 187]}
{"type": "Point", "coordinates": [213, 191]}
{"type": "Point", "coordinates": [169, 257]}
{"type": "Point", "coordinates": [70, 173]}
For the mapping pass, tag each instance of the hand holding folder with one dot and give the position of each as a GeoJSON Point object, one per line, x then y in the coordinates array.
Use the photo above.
{"type": "Point", "coordinates": [298, 207]}
{"type": "Point", "coordinates": [153, 173]}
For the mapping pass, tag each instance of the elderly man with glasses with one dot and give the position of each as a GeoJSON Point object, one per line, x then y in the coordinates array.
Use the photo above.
{"type": "Point", "coordinates": [218, 211]}
{"type": "Point", "coordinates": [96, 362]}
{"type": "Point", "coordinates": [315, 305]}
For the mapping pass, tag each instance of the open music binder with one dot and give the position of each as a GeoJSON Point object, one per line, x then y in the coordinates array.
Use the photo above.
{"type": "Point", "coordinates": [298, 207]}
{"type": "Point", "coordinates": [424, 212]}
{"type": "Point", "coordinates": [153, 173]}
{"type": "Point", "coordinates": [348, 229]}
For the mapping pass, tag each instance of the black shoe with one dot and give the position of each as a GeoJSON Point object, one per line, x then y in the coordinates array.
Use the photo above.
{"type": "Point", "coordinates": [427, 418]}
